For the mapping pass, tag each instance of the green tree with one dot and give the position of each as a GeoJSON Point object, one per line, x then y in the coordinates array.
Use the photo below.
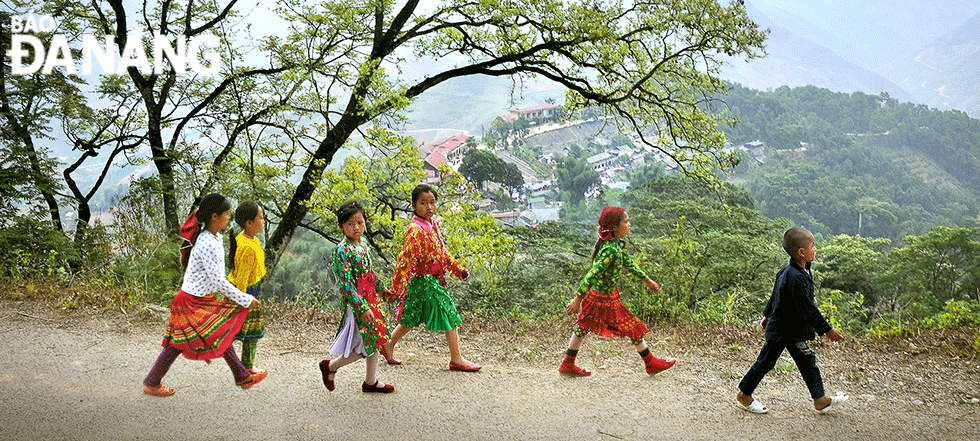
{"type": "Point", "coordinates": [852, 264]}
{"type": "Point", "coordinates": [650, 64]}
{"type": "Point", "coordinates": [480, 166]}
{"type": "Point", "coordinates": [575, 177]}
{"type": "Point", "coordinates": [935, 267]}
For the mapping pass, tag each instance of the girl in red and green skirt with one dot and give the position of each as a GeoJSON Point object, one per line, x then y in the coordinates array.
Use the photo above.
{"type": "Point", "coordinates": [203, 325]}
{"type": "Point", "coordinates": [597, 301]}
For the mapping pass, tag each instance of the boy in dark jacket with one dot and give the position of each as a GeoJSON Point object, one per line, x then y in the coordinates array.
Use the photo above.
{"type": "Point", "coordinates": [790, 320]}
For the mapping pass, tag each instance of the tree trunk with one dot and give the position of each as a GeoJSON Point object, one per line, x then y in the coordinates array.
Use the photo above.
{"type": "Point", "coordinates": [299, 204]}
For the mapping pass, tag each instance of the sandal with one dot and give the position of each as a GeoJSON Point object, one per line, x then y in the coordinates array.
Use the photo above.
{"type": "Point", "coordinates": [326, 372]}
{"type": "Point", "coordinates": [755, 407]}
{"type": "Point", "coordinates": [160, 391]}
{"type": "Point", "coordinates": [252, 380]}
{"type": "Point", "coordinates": [834, 401]}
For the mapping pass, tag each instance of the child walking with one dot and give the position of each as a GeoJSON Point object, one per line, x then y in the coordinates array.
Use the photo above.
{"type": "Point", "coordinates": [420, 281]}
{"type": "Point", "coordinates": [363, 331]}
{"type": "Point", "coordinates": [597, 301]}
{"type": "Point", "coordinates": [202, 326]}
{"type": "Point", "coordinates": [247, 270]}
{"type": "Point", "coordinates": [790, 320]}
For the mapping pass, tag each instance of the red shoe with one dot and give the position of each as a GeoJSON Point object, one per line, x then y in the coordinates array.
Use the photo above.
{"type": "Point", "coordinates": [252, 380]}
{"type": "Point", "coordinates": [655, 365]}
{"type": "Point", "coordinates": [388, 357]}
{"type": "Point", "coordinates": [472, 367]}
{"type": "Point", "coordinates": [254, 371]}
{"type": "Point", "coordinates": [573, 370]}
{"type": "Point", "coordinates": [387, 388]}
{"type": "Point", "coordinates": [326, 372]}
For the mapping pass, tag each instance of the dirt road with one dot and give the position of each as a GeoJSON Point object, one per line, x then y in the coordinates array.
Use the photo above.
{"type": "Point", "coordinates": [77, 376]}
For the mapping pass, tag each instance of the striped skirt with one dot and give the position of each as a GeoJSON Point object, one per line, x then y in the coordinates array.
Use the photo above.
{"type": "Point", "coordinates": [203, 328]}
{"type": "Point", "coordinates": [605, 315]}
{"type": "Point", "coordinates": [254, 326]}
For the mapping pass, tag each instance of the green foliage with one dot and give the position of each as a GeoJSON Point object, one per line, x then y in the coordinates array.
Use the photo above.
{"type": "Point", "coordinates": [575, 177]}
{"type": "Point", "coordinates": [481, 166]}
{"type": "Point", "coordinates": [711, 252]}
{"type": "Point", "coordinates": [932, 269]}
{"type": "Point", "coordinates": [956, 314]}
{"type": "Point", "coordinates": [33, 247]}
{"type": "Point", "coordinates": [844, 311]}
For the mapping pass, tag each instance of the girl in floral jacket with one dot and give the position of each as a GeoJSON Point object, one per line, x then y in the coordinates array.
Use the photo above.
{"type": "Point", "coordinates": [363, 331]}
{"type": "Point", "coordinates": [420, 280]}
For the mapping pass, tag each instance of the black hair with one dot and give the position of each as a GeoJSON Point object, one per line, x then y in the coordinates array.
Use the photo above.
{"type": "Point", "coordinates": [796, 238]}
{"type": "Point", "coordinates": [246, 211]}
{"type": "Point", "coordinates": [421, 189]}
{"type": "Point", "coordinates": [210, 205]}
{"type": "Point", "coordinates": [348, 209]}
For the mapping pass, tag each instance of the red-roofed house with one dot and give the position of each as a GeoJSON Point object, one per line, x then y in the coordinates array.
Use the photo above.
{"type": "Point", "coordinates": [445, 151]}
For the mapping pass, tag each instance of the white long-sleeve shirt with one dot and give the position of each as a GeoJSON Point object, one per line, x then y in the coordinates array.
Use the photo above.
{"type": "Point", "coordinates": [206, 271]}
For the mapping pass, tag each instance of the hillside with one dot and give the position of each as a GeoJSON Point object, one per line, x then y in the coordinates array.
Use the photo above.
{"type": "Point", "coordinates": [828, 152]}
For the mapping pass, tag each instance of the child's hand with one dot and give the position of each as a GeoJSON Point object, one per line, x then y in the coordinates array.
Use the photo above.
{"type": "Point", "coordinates": [574, 306]}
{"type": "Point", "coordinates": [388, 296]}
{"type": "Point", "coordinates": [255, 304]}
{"type": "Point", "coordinates": [367, 317]}
{"type": "Point", "coordinates": [763, 322]}
{"type": "Point", "coordinates": [835, 335]}
{"type": "Point", "coordinates": [652, 285]}
{"type": "Point", "coordinates": [464, 275]}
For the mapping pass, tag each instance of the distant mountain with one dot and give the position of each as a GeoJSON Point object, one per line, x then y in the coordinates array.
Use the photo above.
{"type": "Point", "coordinates": [795, 60]}
{"type": "Point", "coordinates": [915, 51]}
{"type": "Point", "coordinates": [946, 73]}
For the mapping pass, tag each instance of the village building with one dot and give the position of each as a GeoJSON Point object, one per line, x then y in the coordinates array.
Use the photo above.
{"type": "Point", "coordinates": [539, 112]}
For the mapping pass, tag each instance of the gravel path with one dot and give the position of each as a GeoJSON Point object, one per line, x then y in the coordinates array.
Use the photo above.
{"type": "Point", "coordinates": [77, 376]}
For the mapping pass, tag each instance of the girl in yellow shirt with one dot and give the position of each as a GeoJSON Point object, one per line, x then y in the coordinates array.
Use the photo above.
{"type": "Point", "coordinates": [248, 268]}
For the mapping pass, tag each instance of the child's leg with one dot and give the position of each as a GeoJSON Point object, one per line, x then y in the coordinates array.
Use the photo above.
{"type": "Point", "coordinates": [764, 363]}
{"type": "Point", "coordinates": [338, 363]}
{"type": "Point", "coordinates": [396, 335]}
{"type": "Point", "coordinates": [568, 364]}
{"type": "Point", "coordinates": [652, 364]}
{"type": "Point", "coordinates": [806, 362]}
{"type": "Point", "coordinates": [166, 359]}
{"type": "Point", "coordinates": [238, 370]}
{"type": "Point", "coordinates": [249, 345]}
{"type": "Point", "coordinates": [455, 356]}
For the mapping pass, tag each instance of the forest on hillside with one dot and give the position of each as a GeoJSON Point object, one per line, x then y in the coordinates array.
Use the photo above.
{"type": "Point", "coordinates": [858, 164]}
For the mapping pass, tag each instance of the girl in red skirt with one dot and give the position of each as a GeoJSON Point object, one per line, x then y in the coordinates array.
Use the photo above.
{"type": "Point", "coordinates": [203, 325]}
{"type": "Point", "coordinates": [597, 301]}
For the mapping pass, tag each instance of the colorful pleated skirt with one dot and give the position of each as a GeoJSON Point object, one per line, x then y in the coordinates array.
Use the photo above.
{"type": "Point", "coordinates": [254, 326]}
{"type": "Point", "coordinates": [203, 328]}
{"type": "Point", "coordinates": [605, 315]}
{"type": "Point", "coordinates": [356, 336]}
{"type": "Point", "coordinates": [427, 302]}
